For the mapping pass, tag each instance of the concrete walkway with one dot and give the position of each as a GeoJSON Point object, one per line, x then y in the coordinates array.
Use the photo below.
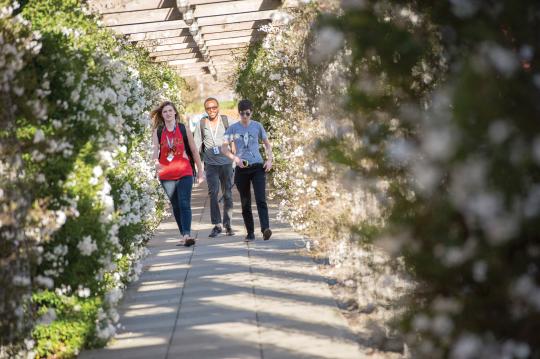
{"type": "Point", "coordinates": [225, 298]}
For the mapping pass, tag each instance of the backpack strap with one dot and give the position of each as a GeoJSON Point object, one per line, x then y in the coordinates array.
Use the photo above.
{"type": "Point", "coordinates": [159, 132]}
{"type": "Point", "coordinates": [187, 148]}
{"type": "Point", "coordinates": [202, 126]}
{"type": "Point", "coordinates": [225, 120]}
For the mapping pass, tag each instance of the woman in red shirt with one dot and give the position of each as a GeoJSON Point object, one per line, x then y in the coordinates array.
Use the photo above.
{"type": "Point", "coordinates": [173, 165]}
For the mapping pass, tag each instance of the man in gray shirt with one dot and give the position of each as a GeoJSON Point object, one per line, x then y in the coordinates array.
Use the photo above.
{"type": "Point", "coordinates": [219, 171]}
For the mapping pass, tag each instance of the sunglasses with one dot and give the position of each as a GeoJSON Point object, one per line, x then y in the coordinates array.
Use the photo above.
{"type": "Point", "coordinates": [211, 108]}
{"type": "Point", "coordinates": [245, 113]}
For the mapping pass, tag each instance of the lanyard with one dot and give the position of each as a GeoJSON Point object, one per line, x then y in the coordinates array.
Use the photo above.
{"type": "Point", "coordinates": [214, 134]}
{"type": "Point", "coordinates": [170, 142]}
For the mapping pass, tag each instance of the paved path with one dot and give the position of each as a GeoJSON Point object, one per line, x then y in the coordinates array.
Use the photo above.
{"type": "Point", "coordinates": [225, 298]}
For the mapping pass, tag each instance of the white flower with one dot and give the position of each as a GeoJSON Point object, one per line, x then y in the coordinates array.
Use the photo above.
{"type": "Point", "coordinates": [39, 136]}
{"type": "Point", "coordinates": [44, 281]}
{"type": "Point", "coordinates": [60, 218]}
{"type": "Point", "coordinates": [97, 171]}
{"type": "Point", "coordinates": [83, 292]}
{"type": "Point", "coordinates": [105, 332]}
{"type": "Point", "coordinates": [113, 296]}
{"type": "Point", "coordinates": [87, 246]}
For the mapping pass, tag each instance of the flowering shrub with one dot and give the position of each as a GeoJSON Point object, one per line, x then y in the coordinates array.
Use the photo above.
{"type": "Point", "coordinates": [417, 119]}
{"type": "Point", "coordinates": [78, 196]}
{"type": "Point", "coordinates": [302, 104]}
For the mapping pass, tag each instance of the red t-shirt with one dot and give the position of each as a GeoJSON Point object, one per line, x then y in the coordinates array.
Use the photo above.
{"type": "Point", "coordinates": [171, 142]}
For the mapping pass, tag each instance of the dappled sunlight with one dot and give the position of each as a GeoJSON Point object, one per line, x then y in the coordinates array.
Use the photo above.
{"type": "Point", "coordinates": [142, 340]}
{"type": "Point", "coordinates": [150, 311]}
{"type": "Point", "coordinates": [159, 285]}
{"type": "Point", "coordinates": [166, 267]}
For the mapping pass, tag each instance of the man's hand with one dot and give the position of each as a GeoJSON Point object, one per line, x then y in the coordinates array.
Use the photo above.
{"type": "Point", "coordinates": [238, 162]}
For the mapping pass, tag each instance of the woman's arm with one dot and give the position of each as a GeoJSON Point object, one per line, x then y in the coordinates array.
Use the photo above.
{"type": "Point", "coordinates": [155, 148]}
{"type": "Point", "coordinates": [196, 157]}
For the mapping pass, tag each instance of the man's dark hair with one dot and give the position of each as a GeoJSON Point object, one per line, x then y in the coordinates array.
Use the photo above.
{"type": "Point", "coordinates": [245, 105]}
{"type": "Point", "coordinates": [210, 99]}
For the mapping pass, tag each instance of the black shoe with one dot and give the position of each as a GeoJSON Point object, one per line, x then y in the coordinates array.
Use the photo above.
{"type": "Point", "coordinates": [229, 231]}
{"type": "Point", "coordinates": [250, 237]}
{"type": "Point", "coordinates": [189, 242]}
{"type": "Point", "coordinates": [267, 233]}
{"type": "Point", "coordinates": [215, 231]}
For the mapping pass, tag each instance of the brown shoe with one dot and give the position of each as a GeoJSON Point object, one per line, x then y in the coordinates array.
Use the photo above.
{"type": "Point", "coordinates": [189, 242]}
{"type": "Point", "coordinates": [267, 233]}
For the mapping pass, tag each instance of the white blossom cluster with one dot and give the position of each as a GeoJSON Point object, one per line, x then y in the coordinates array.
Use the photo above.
{"type": "Point", "coordinates": [110, 103]}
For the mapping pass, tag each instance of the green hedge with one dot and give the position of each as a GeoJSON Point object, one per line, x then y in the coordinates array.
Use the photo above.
{"type": "Point", "coordinates": [79, 200]}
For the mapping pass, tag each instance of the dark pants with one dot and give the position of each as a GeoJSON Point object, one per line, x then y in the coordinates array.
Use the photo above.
{"type": "Point", "coordinates": [243, 178]}
{"type": "Point", "coordinates": [220, 176]}
{"type": "Point", "coordinates": [179, 193]}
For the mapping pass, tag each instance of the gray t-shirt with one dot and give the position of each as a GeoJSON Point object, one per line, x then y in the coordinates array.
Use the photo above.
{"type": "Point", "coordinates": [246, 140]}
{"type": "Point", "coordinates": [213, 138]}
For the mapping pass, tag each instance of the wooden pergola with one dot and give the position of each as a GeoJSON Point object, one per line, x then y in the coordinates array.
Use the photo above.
{"type": "Point", "coordinates": [199, 38]}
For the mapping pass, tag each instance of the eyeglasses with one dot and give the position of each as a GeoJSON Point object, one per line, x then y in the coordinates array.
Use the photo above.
{"type": "Point", "coordinates": [213, 108]}
{"type": "Point", "coordinates": [245, 113]}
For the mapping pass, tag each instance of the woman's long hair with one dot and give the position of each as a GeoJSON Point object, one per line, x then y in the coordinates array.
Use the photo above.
{"type": "Point", "coordinates": [157, 117]}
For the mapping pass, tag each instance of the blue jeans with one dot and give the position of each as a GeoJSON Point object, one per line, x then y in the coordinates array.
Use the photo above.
{"type": "Point", "coordinates": [179, 193]}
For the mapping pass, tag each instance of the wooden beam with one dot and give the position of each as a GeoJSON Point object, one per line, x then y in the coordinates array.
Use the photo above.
{"type": "Point", "coordinates": [229, 34]}
{"type": "Point", "coordinates": [196, 72]}
{"type": "Point", "coordinates": [235, 7]}
{"type": "Point", "coordinates": [228, 52]}
{"type": "Point", "coordinates": [167, 34]}
{"type": "Point", "coordinates": [104, 6]}
{"type": "Point", "coordinates": [191, 63]}
{"type": "Point", "coordinates": [179, 46]}
{"type": "Point", "coordinates": [221, 58]}
{"type": "Point", "coordinates": [185, 62]}
{"type": "Point", "coordinates": [227, 47]}
{"type": "Point", "coordinates": [166, 41]}
{"type": "Point", "coordinates": [232, 40]}
{"type": "Point", "coordinates": [226, 66]}
{"type": "Point", "coordinates": [217, 22]}
{"type": "Point", "coordinates": [233, 18]}
{"type": "Point", "coordinates": [156, 35]}
{"type": "Point", "coordinates": [150, 26]}
{"type": "Point", "coordinates": [244, 25]}
{"type": "Point", "coordinates": [140, 17]}
{"type": "Point", "coordinates": [174, 52]}
{"type": "Point", "coordinates": [176, 57]}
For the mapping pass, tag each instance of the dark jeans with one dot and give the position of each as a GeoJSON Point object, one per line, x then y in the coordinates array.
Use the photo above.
{"type": "Point", "coordinates": [179, 193]}
{"type": "Point", "coordinates": [243, 178]}
{"type": "Point", "coordinates": [220, 176]}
